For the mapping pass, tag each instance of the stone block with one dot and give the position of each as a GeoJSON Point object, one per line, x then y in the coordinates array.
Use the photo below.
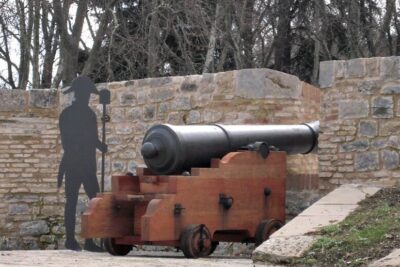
{"type": "Point", "coordinates": [379, 143]}
{"type": "Point", "coordinates": [149, 112]}
{"type": "Point", "coordinates": [352, 109]}
{"type": "Point", "coordinates": [326, 74]}
{"type": "Point", "coordinates": [161, 94]}
{"type": "Point", "coordinates": [367, 161]}
{"type": "Point", "coordinates": [382, 107]}
{"type": "Point", "coordinates": [369, 87]}
{"type": "Point", "coordinates": [134, 114]}
{"type": "Point", "coordinates": [394, 141]}
{"type": "Point", "coordinates": [118, 166]}
{"type": "Point", "coordinates": [181, 103]}
{"type": "Point", "coordinates": [368, 128]}
{"type": "Point", "coordinates": [34, 228]}
{"type": "Point", "coordinates": [356, 68]}
{"type": "Point", "coordinates": [391, 89]}
{"type": "Point", "coordinates": [13, 100]}
{"type": "Point", "coordinates": [17, 209]}
{"type": "Point", "coordinates": [211, 116]}
{"type": "Point", "coordinates": [390, 159]}
{"type": "Point", "coordinates": [188, 86]}
{"type": "Point", "coordinates": [283, 249]}
{"type": "Point", "coordinates": [158, 82]}
{"type": "Point", "coordinates": [43, 98]}
{"type": "Point", "coordinates": [265, 83]}
{"type": "Point", "coordinates": [193, 117]}
{"type": "Point", "coordinates": [340, 68]}
{"type": "Point", "coordinates": [127, 99]}
{"type": "Point", "coordinates": [358, 145]}
{"type": "Point", "coordinates": [390, 67]}
{"type": "Point", "coordinates": [372, 66]}
{"type": "Point", "coordinates": [389, 127]}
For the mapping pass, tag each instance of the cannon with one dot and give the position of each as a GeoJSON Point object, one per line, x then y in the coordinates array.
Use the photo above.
{"type": "Point", "coordinates": [169, 149]}
{"type": "Point", "coordinates": [203, 184]}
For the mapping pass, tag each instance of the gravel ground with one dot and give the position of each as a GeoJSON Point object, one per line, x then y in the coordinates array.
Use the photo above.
{"type": "Point", "coordinates": [61, 258]}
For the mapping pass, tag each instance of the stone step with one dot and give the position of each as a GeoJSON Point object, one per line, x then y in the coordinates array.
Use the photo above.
{"type": "Point", "coordinates": [295, 238]}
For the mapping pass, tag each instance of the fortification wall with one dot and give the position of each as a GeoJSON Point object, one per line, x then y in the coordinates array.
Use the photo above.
{"type": "Point", "coordinates": [31, 209]}
{"type": "Point", "coordinates": [360, 120]}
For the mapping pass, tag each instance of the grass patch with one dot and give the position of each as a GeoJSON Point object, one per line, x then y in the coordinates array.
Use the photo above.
{"type": "Point", "coordinates": [369, 233]}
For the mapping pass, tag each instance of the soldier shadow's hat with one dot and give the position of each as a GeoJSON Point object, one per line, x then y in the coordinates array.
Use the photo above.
{"type": "Point", "coordinates": [82, 83]}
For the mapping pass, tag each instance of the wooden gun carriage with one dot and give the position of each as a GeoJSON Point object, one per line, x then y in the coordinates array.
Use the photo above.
{"type": "Point", "coordinates": [237, 196]}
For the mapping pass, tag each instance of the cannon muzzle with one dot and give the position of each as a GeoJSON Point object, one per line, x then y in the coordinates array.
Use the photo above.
{"type": "Point", "coordinates": [169, 149]}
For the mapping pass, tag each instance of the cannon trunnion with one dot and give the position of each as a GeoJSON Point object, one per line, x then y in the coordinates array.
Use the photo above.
{"type": "Point", "coordinates": [239, 198]}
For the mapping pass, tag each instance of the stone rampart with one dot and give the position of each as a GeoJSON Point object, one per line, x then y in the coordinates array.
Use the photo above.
{"type": "Point", "coordinates": [31, 209]}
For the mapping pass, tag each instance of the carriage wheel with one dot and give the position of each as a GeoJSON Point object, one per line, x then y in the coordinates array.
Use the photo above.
{"type": "Point", "coordinates": [196, 242]}
{"type": "Point", "coordinates": [116, 249]}
{"type": "Point", "coordinates": [265, 229]}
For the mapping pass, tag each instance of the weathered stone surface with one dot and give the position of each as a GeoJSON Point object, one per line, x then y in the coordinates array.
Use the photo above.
{"type": "Point", "coordinates": [391, 260]}
{"type": "Point", "coordinates": [265, 83]}
{"type": "Point", "coordinates": [358, 145]}
{"type": "Point", "coordinates": [351, 109]}
{"type": "Point", "coordinates": [251, 83]}
{"type": "Point", "coordinates": [149, 112]}
{"type": "Point", "coordinates": [356, 68]}
{"type": "Point", "coordinates": [394, 141]}
{"type": "Point", "coordinates": [159, 82]}
{"type": "Point", "coordinates": [187, 86]}
{"type": "Point", "coordinates": [379, 143]}
{"type": "Point", "coordinates": [283, 249]}
{"type": "Point", "coordinates": [390, 159]}
{"type": "Point", "coordinates": [118, 166]}
{"type": "Point", "coordinates": [369, 87]}
{"type": "Point", "coordinates": [326, 73]}
{"type": "Point", "coordinates": [391, 89]}
{"type": "Point", "coordinates": [43, 98]}
{"type": "Point", "coordinates": [182, 103]}
{"type": "Point", "coordinates": [16, 209]}
{"type": "Point", "coordinates": [368, 128]}
{"type": "Point", "coordinates": [127, 99]}
{"type": "Point", "coordinates": [161, 94]}
{"type": "Point", "coordinates": [367, 161]}
{"type": "Point", "coordinates": [389, 127]}
{"type": "Point", "coordinates": [13, 100]}
{"type": "Point", "coordinates": [390, 67]}
{"type": "Point", "coordinates": [212, 116]}
{"type": "Point", "coordinates": [134, 114]}
{"type": "Point", "coordinates": [193, 117]}
{"type": "Point", "coordinates": [382, 107]}
{"type": "Point", "coordinates": [372, 66]}
{"type": "Point", "coordinates": [34, 228]}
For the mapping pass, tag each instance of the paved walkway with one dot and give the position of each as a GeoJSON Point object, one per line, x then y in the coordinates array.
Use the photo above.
{"type": "Point", "coordinates": [67, 258]}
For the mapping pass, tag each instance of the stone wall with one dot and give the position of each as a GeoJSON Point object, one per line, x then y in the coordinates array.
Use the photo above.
{"type": "Point", "coordinates": [360, 120]}
{"type": "Point", "coordinates": [31, 210]}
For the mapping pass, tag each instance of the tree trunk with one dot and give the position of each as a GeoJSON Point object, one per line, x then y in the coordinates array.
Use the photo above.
{"type": "Point", "coordinates": [153, 41]}
{"type": "Point", "coordinates": [208, 64]}
{"type": "Point", "coordinates": [36, 46]}
{"type": "Point", "coordinates": [283, 37]}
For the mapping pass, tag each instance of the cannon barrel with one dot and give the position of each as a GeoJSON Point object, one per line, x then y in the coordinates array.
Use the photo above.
{"type": "Point", "coordinates": [169, 149]}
